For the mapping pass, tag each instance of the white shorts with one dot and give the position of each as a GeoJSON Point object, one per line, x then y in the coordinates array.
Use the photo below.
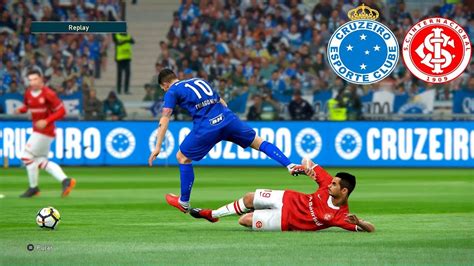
{"type": "Point", "coordinates": [268, 206]}
{"type": "Point", "coordinates": [38, 145]}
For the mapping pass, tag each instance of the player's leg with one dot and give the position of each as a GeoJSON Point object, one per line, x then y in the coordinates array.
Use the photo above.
{"type": "Point", "coordinates": [246, 219]}
{"type": "Point", "coordinates": [52, 168]}
{"type": "Point", "coordinates": [192, 149]}
{"type": "Point", "coordinates": [41, 148]}
{"type": "Point", "coordinates": [244, 136]}
{"type": "Point", "coordinates": [32, 170]}
{"type": "Point", "coordinates": [263, 220]}
{"type": "Point", "coordinates": [238, 207]}
{"type": "Point", "coordinates": [261, 199]}
{"type": "Point", "coordinates": [276, 154]}
{"type": "Point", "coordinates": [186, 174]}
{"type": "Point", "coordinates": [57, 172]}
{"type": "Point", "coordinates": [28, 159]}
{"type": "Point", "coordinates": [258, 200]}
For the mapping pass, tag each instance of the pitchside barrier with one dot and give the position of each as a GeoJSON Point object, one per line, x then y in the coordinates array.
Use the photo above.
{"type": "Point", "coordinates": [360, 144]}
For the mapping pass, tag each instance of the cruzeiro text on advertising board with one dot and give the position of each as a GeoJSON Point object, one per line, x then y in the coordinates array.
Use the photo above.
{"type": "Point", "coordinates": [366, 144]}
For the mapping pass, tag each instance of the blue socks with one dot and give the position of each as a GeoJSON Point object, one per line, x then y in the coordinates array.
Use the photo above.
{"type": "Point", "coordinates": [187, 179]}
{"type": "Point", "coordinates": [273, 152]}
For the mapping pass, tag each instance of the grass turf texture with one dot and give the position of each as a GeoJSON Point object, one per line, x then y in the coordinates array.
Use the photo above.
{"type": "Point", "coordinates": [119, 216]}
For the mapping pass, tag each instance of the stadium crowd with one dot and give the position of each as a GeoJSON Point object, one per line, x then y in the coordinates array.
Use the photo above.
{"type": "Point", "coordinates": [69, 62]}
{"type": "Point", "coordinates": [269, 56]}
{"type": "Point", "coordinates": [274, 52]}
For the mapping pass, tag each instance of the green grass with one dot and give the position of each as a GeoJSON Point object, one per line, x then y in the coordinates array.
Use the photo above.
{"type": "Point", "coordinates": [119, 216]}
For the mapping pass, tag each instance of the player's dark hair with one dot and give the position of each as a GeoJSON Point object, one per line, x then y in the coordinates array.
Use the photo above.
{"type": "Point", "coordinates": [347, 181]}
{"type": "Point", "coordinates": [166, 75]}
{"type": "Point", "coordinates": [34, 72]}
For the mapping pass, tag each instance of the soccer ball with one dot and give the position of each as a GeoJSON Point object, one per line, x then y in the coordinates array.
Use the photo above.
{"type": "Point", "coordinates": [48, 218]}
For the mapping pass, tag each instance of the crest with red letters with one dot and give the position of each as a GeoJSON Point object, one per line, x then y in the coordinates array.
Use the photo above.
{"type": "Point", "coordinates": [436, 50]}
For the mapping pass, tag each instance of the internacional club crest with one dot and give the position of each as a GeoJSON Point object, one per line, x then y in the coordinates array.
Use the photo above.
{"type": "Point", "coordinates": [363, 51]}
{"type": "Point", "coordinates": [436, 50]}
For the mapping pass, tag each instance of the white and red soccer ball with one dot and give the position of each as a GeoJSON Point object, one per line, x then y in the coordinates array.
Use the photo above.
{"type": "Point", "coordinates": [48, 218]}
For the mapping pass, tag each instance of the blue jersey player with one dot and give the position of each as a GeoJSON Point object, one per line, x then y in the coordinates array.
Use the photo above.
{"type": "Point", "coordinates": [212, 123]}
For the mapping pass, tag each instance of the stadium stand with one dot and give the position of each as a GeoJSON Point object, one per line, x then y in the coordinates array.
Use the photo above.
{"type": "Point", "coordinates": [269, 49]}
{"type": "Point", "coordinates": [248, 48]}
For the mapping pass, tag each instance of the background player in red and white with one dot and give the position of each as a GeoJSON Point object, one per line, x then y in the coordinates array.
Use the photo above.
{"type": "Point", "coordinates": [45, 108]}
{"type": "Point", "coordinates": [278, 210]}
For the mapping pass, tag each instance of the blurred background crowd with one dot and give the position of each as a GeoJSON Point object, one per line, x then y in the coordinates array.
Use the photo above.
{"type": "Point", "coordinates": [266, 58]}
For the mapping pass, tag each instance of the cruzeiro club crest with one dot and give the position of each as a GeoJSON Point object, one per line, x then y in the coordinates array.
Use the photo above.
{"type": "Point", "coordinates": [166, 147]}
{"type": "Point", "coordinates": [120, 143]}
{"type": "Point", "coordinates": [363, 51]}
{"type": "Point", "coordinates": [436, 50]}
{"type": "Point", "coordinates": [348, 143]}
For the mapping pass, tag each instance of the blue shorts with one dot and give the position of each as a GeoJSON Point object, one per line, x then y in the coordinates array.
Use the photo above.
{"type": "Point", "coordinates": [196, 147]}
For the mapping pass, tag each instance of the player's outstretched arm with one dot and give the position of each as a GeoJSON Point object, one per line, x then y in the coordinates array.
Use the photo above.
{"type": "Point", "coordinates": [162, 128]}
{"type": "Point", "coordinates": [362, 225]}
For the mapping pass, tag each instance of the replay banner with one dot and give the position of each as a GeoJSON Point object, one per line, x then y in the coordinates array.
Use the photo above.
{"type": "Point", "coordinates": [80, 27]}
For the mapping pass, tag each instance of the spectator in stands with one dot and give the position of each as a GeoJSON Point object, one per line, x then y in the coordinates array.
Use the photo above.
{"type": "Point", "coordinates": [319, 66]}
{"type": "Point", "coordinates": [154, 80]}
{"type": "Point", "coordinates": [398, 13]}
{"type": "Point", "coordinates": [337, 85]}
{"type": "Point", "coordinates": [93, 109]}
{"type": "Point", "coordinates": [92, 45]}
{"type": "Point", "coordinates": [263, 108]}
{"type": "Point", "coordinates": [237, 77]}
{"type": "Point", "coordinates": [14, 87]}
{"type": "Point", "coordinates": [322, 10]}
{"type": "Point", "coordinates": [175, 31]}
{"type": "Point", "coordinates": [85, 77]}
{"type": "Point", "coordinates": [210, 68]}
{"type": "Point", "coordinates": [299, 108]}
{"type": "Point", "coordinates": [253, 87]}
{"type": "Point", "coordinates": [470, 84]}
{"type": "Point", "coordinates": [278, 87]}
{"type": "Point", "coordinates": [225, 69]}
{"type": "Point", "coordinates": [255, 110]}
{"type": "Point", "coordinates": [194, 61]}
{"type": "Point", "coordinates": [353, 103]}
{"type": "Point", "coordinates": [294, 38]}
{"type": "Point", "coordinates": [149, 93]}
{"type": "Point", "coordinates": [266, 70]}
{"type": "Point", "coordinates": [291, 70]}
{"type": "Point", "coordinates": [166, 60]}
{"type": "Point", "coordinates": [70, 85]}
{"type": "Point", "coordinates": [176, 49]}
{"type": "Point", "coordinates": [187, 12]}
{"type": "Point", "coordinates": [57, 78]}
{"type": "Point", "coordinates": [337, 110]}
{"type": "Point", "coordinates": [123, 57]}
{"type": "Point", "coordinates": [260, 52]}
{"type": "Point", "coordinates": [61, 91]}
{"type": "Point", "coordinates": [114, 108]}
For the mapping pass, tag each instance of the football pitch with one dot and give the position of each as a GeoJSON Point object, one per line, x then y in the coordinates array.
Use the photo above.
{"type": "Point", "coordinates": [119, 216]}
